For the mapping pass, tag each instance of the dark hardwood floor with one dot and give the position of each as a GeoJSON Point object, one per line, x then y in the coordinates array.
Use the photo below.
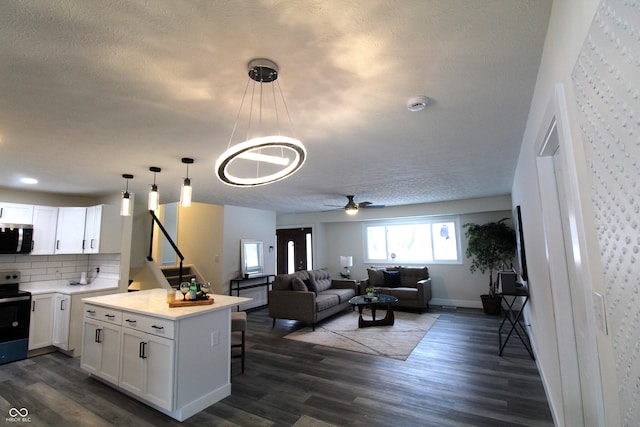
{"type": "Point", "coordinates": [454, 377]}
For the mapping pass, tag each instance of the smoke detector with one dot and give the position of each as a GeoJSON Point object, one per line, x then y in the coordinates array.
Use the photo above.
{"type": "Point", "coordinates": [417, 103]}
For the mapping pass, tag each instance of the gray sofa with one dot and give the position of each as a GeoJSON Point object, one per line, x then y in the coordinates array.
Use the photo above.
{"type": "Point", "coordinates": [411, 285]}
{"type": "Point", "coordinates": [291, 298]}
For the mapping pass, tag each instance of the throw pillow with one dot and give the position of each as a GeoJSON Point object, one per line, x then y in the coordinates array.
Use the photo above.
{"type": "Point", "coordinates": [391, 279]}
{"type": "Point", "coordinates": [375, 277]}
{"type": "Point", "coordinates": [311, 286]}
{"type": "Point", "coordinates": [298, 285]}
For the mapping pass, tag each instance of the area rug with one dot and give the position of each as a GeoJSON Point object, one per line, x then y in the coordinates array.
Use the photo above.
{"type": "Point", "coordinates": [396, 342]}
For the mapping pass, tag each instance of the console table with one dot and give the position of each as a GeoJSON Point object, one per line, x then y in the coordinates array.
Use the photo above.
{"type": "Point", "coordinates": [238, 285]}
{"type": "Point", "coordinates": [515, 319]}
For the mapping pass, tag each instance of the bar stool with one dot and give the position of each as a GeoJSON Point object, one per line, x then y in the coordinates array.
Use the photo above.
{"type": "Point", "coordinates": [239, 324]}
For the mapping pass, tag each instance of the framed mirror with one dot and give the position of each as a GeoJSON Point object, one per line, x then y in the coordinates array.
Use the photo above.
{"type": "Point", "coordinates": [252, 258]}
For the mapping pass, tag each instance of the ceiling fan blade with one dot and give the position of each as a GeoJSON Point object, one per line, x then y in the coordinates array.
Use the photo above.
{"type": "Point", "coordinates": [369, 205]}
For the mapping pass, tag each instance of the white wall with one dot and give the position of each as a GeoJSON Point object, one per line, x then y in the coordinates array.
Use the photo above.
{"type": "Point", "coordinates": [245, 223]}
{"type": "Point", "coordinates": [335, 234]}
{"type": "Point", "coordinates": [603, 388]}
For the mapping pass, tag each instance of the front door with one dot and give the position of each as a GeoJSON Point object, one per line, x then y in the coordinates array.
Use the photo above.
{"type": "Point", "coordinates": [294, 250]}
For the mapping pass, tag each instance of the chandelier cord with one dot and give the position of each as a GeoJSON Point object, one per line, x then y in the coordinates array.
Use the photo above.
{"type": "Point", "coordinates": [235, 125]}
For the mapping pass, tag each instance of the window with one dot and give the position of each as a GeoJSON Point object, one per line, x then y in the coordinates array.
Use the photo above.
{"type": "Point", "coordinates": [434, 240]}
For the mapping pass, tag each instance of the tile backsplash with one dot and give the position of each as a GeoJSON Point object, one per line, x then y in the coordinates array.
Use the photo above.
{"type": "Point", "coordinates": [37, 268]}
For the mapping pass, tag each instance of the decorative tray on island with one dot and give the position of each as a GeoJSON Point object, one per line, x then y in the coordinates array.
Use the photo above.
{"type": "Point", "coordinates": [183, 303]}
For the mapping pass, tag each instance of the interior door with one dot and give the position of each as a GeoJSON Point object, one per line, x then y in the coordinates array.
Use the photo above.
{"type": "Point", "coordinates": [294, 250]}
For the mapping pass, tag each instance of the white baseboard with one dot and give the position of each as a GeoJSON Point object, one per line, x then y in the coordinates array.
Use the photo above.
{"type": "Point", "coordinates": [456, 302]}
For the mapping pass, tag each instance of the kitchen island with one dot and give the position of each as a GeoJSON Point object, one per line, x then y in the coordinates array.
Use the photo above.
{"type": "Point", "coordinates": [176, 360]}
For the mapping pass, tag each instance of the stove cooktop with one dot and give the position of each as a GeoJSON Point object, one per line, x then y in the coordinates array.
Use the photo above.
{"type": "Point", "coordinates": [10, 284]}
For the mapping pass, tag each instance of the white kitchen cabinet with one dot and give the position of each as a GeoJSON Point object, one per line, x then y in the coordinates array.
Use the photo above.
{"type": "Point", "coordinates": [45, 220]}
{"type": "Point", "coordinates": [41, 323]}
{"type": "Point", "coordinates": [146, 367]}
{"type": "Point", "coordinates": [70, 230]}
{"type": "Point", "coordinates": [61, 319]}
{"type": "Point", "coordinates": [102, 229]}
{"type": "Point", "coordinates": [101, 349]}
{"type": "Point", "coordinates": [14, 213]}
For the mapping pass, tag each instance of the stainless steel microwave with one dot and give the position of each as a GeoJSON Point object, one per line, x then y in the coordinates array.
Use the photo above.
{"type": "Point", "coordinates": [16, 238]}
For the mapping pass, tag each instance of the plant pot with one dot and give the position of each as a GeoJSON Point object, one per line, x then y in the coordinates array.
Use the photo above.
{"type": "Point", "coordinates": [491, 304]}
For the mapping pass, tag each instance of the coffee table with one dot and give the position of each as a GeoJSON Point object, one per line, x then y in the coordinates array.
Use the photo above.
{"type": "Point", "coordinates": [362, 301]}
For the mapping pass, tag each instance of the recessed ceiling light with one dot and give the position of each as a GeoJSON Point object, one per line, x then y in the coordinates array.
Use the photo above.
{"type": "Point", "coordinates": [30, 181]}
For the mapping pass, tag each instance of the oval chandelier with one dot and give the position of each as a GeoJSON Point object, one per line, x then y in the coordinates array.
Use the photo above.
{"type": "Point", "coordinates": [265, 156]}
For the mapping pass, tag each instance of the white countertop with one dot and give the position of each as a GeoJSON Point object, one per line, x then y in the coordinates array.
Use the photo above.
{"type": "Point", "coordinates": [154, 302]}
{"type": "Point", "coordinates": [63, 286]}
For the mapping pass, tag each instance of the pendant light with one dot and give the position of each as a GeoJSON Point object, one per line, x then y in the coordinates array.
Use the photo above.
{"type": "Point", "coordinates": [185, 194]}
{"type": "Point", "coordinates": [261, 159]}
{"type": "Point", "coordinates": [154, 197]}
{"type": "Point", "coordinates": [125, 202]}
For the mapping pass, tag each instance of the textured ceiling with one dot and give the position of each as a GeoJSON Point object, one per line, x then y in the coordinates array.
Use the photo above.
{"type": "Point", "coordinates": [90, 90]}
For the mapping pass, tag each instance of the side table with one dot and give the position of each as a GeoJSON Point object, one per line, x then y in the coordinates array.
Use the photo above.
{"type": "Point", "coordinates": [238, 285]}
{"type": "Point", "coordinates": [515, 321]}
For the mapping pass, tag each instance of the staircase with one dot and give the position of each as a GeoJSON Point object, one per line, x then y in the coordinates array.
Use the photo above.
{"type": "Point", "coordinates": [172, 273]}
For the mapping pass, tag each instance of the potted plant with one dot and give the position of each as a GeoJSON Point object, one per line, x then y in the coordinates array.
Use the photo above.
{"type": "Point", "coordinates": [371, 291]}
{"type": "Point", "coordinates": [490, 246]}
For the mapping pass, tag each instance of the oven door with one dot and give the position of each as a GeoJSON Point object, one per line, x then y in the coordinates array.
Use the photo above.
{"type": "Point", "coordinates": [15, 312]}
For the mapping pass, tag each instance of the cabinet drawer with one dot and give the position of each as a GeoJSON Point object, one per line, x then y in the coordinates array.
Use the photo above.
{"type": "Point", "coordinates": [102, 313]}
{"type": "Point", "coordinates": [147, 324]}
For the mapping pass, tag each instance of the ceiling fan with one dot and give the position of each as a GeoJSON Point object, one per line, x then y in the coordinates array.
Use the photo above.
{"type": "Point", "coordinates": [351, 208]}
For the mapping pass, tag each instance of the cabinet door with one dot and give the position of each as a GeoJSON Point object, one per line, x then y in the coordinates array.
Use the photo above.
{"type": "Point", "coordinates": [101, 349]}
{"type": "Point", "coordinates": [41, 323]}
{"type": "Point", "coordinates": [91, 348]}
{"type": "Point", "coordinates": [70, 230]}
{"type": "Point", "coordinates": [12, 213]}
{"type": "Point", "coordinates": [110, 354]}
{"type": "Point", "coordinates": [132, 362]}
{"type": "Point", "coordinates": [159, 371]}
{"type": "Point", "coordinates": [45, 220]}
{"type": "Point", "coordinates": [61, 318]}
{"type": "Point", "coordinates": [146, 367]}
{"type": "Point", "coordinates": [92, 230]}
{"type": "Point", "coordinates": [102, 230]}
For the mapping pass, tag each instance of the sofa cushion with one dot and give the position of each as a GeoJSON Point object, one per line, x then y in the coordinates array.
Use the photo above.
{"type": "Point", "coordinates": [325, 301]}
{"type": "Point", "coordinates": [321, 278]}
{"type": "Point", "coordinates": [404, 294]}
{"type": "Point", "coordinates": [282, 282]}
{"type": "Point", "coordinates": [298, 285]}
{"type": "Point", "coordinates": [376, 277]}
{"type": "Point", "coordinates": [343, 294]}
{"type": "Point", "coordinates": [391, 279]}
{"type": "Point", "coordinates": [409, 276]}
{"type": "Point", "coordinates": [310, 285]}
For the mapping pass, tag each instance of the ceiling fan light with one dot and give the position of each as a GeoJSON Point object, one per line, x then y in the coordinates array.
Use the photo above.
{"type": "Point", "coordinates": [351, 210]}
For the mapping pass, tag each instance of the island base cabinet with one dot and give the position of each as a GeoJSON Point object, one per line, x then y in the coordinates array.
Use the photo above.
{"type": "Point", "coordinates": [176, 360]}
{"type": "Point", "coordinates": [147, 367]}
{"type": "Point", "coordinates": [101, 350]}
